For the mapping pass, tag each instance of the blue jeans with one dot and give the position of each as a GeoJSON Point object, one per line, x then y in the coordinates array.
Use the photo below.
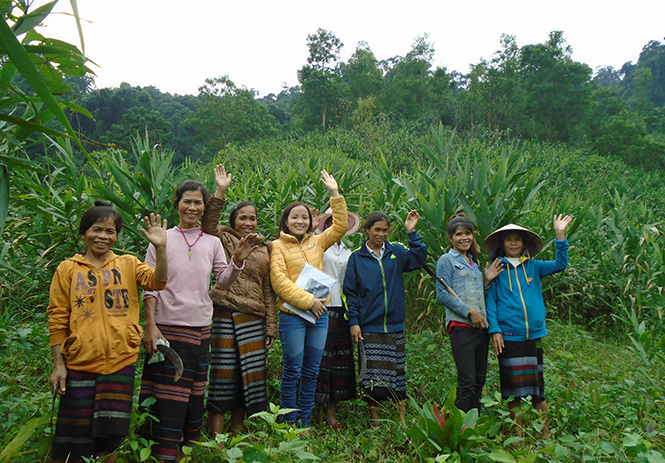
{"type": "Point", "coordinates": [302, 349]}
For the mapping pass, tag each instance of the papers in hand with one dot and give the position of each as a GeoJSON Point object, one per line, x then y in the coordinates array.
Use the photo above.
{"type": "Point", "coordinates": [315, 282]}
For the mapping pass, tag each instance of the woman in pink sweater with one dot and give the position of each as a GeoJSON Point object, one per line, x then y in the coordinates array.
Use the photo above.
{"type": "Point", "coordinates": [181, 314]}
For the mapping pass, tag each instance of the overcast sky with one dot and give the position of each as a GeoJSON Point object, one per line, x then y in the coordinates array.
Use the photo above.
{"type": "Point", "coordinates": [261, 44]}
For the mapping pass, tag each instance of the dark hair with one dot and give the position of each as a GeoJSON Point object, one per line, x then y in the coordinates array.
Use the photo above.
{"type": "Point", "coordinates": [234, 212]}
{"type": "Point", "coordinates": [374, 217]}
{"type": "Point", "coordinates": [190, 185]}
{"type": "Point", "coordinates": [461, 220]}
{"type": "Point", "coordinates": [285, 216]}
{"type": "Point", "coordinates": [101, 210]}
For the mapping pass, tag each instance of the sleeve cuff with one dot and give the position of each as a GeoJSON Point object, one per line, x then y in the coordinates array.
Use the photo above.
{"type": "Point", "coordinates": [233, 262]}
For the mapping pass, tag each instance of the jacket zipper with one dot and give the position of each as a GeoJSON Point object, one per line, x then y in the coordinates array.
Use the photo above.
{"type": "Point", "coordinates": [100, 294]}
{"type": "Point", "coordinates": [519, 288]}
{"type": "Point", "coordinates": [385, 297]}
{"type": "Point", "coordinates": [250, 273]}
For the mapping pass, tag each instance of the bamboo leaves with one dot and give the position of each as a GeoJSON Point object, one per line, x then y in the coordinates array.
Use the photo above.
{"type": "Point", "coordinates": [4, 195]}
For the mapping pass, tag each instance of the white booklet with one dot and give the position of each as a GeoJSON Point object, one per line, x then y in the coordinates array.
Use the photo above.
{"type": "Point", "coordinates": [315, 282]}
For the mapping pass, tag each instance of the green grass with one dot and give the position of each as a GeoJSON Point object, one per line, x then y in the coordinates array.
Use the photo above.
{"type": "Point", "coordinates": [600, 396]}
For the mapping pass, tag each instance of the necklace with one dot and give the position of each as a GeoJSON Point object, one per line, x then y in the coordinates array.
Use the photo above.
{"type": "Point", "coordinates": [189, 246]}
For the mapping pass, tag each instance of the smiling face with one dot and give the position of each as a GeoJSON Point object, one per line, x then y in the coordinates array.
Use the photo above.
{"type": "Point", "coordinates": [190, 208]}
{"type": "Point", "coordinates": [100, 237]}
{"type": "Point", "coordinates": [298, 221]}
{"type": "Point", "coordinates": [377, 234]}
{"type": "Point", "coordinates": [513, 244]}
{"type": "Point", "coordinates": [462, 240]}
{"type": "Point", "coordinates": [245, 222]}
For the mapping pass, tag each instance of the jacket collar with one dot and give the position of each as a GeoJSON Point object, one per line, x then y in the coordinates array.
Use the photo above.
{"type": "Point", "coordinates": [455, 253]}
{"type": "Point", "coordinates": [229, 230]}
{"type": "Point", "coordinates": [365, 252]}
{"type": "Point", "coordinates": [523, 259]}
{"type": "Point", "coordinates": [80, 259]}
{"type": "Point", "coordinates": [235, 236]}
{"type": "Point", "coordinates": [292, 239]}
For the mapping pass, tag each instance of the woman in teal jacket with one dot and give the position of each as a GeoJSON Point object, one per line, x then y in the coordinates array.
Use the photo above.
{"type": "Point", "coordinates": [516, 311]}
{"type": "Point", "coordinates": [374, 294]}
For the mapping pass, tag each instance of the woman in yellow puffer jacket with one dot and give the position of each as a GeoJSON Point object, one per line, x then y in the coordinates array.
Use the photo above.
{"type": "Point", "coordinates": [302, 341]}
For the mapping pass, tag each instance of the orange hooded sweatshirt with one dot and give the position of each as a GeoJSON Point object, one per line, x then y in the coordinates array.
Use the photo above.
{"type": "Point", "coordinates": [94, 313]}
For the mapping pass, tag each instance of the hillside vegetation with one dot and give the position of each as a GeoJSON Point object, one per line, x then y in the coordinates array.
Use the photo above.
{"type": "Point", "coordinates": [604, 379]}
{"type": "Point", "coordinates": [526, 134]}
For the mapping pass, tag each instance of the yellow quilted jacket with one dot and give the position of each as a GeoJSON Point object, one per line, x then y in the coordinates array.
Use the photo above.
{"type": "Point", "coordinates": [288, 258]}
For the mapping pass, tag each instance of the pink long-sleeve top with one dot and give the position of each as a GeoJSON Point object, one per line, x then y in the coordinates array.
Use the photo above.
{"type": "Point", "coordinates": [185, 300]}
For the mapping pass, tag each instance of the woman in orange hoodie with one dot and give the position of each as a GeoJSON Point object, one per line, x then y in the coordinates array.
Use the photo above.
{"type": "Point", "coordinates": [95, 334]}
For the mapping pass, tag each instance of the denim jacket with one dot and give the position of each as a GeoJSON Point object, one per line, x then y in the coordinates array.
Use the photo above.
{"type": "Point", "coordinates": [466, 281]}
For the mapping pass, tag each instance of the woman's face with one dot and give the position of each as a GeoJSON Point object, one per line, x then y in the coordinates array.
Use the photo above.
{"type": "Point", "coordinates": [246, 220]}
{"type": "Point", "coordinates": [100, 238]}
{"type": "Point", "coordinates": [513, 244]}
{"type": "Point", "coordinates": [298, 221]}
{"type": "Point", "coordinates": [378, 234]}
{"type": "Point", "coordinates": [190, 208]}
{"type": "Point", "coordinates": [462, 240]}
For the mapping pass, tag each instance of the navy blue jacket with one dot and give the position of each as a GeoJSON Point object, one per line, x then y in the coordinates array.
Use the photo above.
{"type": "Point", "coordinates": [374, 292]}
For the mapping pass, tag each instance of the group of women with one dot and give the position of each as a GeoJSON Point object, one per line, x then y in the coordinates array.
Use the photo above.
{"type": "Point", "coordinates": [95, 331]}
{"type": "Point", "coordinates": [507, 304]}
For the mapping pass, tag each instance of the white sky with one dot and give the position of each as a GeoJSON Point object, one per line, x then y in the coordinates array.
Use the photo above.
{"type": "Point", "coordinates": [261, 44]}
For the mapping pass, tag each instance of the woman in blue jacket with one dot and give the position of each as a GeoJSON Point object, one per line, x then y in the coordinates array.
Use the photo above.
{"type": "Point", "coordinates": [374, 293]}
{"type": "Point", "coordinates": [516, 311]}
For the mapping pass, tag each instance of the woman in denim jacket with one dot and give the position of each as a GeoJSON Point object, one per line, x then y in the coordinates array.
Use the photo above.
{"type": "Point", "coordinates": [466, 317]}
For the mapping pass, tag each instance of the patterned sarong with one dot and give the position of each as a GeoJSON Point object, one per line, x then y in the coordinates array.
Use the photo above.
{"type": "Point", "coordinates": [337, 376]}
{"type": "Point", "coordinates": [237, 362]}
{"type": "Point", "coordinates": [521, 370]}
{"type": "Point", "coordinates": [179, 406]}
{"type": "Point", "coordinates": [94, 414]}
{"type": "Point", "coordinates": [385, 378]}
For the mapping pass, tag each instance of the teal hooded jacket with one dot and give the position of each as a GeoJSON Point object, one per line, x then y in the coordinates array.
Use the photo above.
{"type": "Point", "coordinates": [514, 304]}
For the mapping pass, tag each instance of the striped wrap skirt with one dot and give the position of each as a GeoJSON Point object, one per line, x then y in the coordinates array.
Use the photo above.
{"type": "Point", "coordinates": [94, 414]}
{"type": "Point", "coordinates": [237, 362]}
{"type": "Point", "coordinates": [337, 375]}
{"type": "Point", "coordinates": [521, 370]}
{"type": "Point", "coordinates": [385, 377]}
{"type": "Point", "coordinates": [178, 406]}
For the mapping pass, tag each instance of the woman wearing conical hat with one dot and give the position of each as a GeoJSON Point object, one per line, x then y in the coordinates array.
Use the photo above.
{"type": "Point", "coordinates": [516, 311]}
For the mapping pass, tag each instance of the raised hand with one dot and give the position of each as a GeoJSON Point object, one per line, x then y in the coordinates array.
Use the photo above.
{"type": "Point", "coordinates": [411, 221]}
{"type": "Point", "coordinates": [492, 270]}
{"type": "Point", "coordinates": [315, 218]}
{"type": "Point", "coordinates": [246, 246]}
{"type": "Point", "coordinates": [155, 230]}
{"type": "Point", "coordinates": [560, 223]}
{"type": "Point", "coordinates": [223, 181]}
{"type": "Point", "coordinates": [330, 183]}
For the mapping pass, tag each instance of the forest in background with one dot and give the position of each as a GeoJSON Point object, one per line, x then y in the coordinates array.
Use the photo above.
{"type": "Point", "coordinates": [606, 350]}
{"type": "Point", "coordinates": [534, 91]}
